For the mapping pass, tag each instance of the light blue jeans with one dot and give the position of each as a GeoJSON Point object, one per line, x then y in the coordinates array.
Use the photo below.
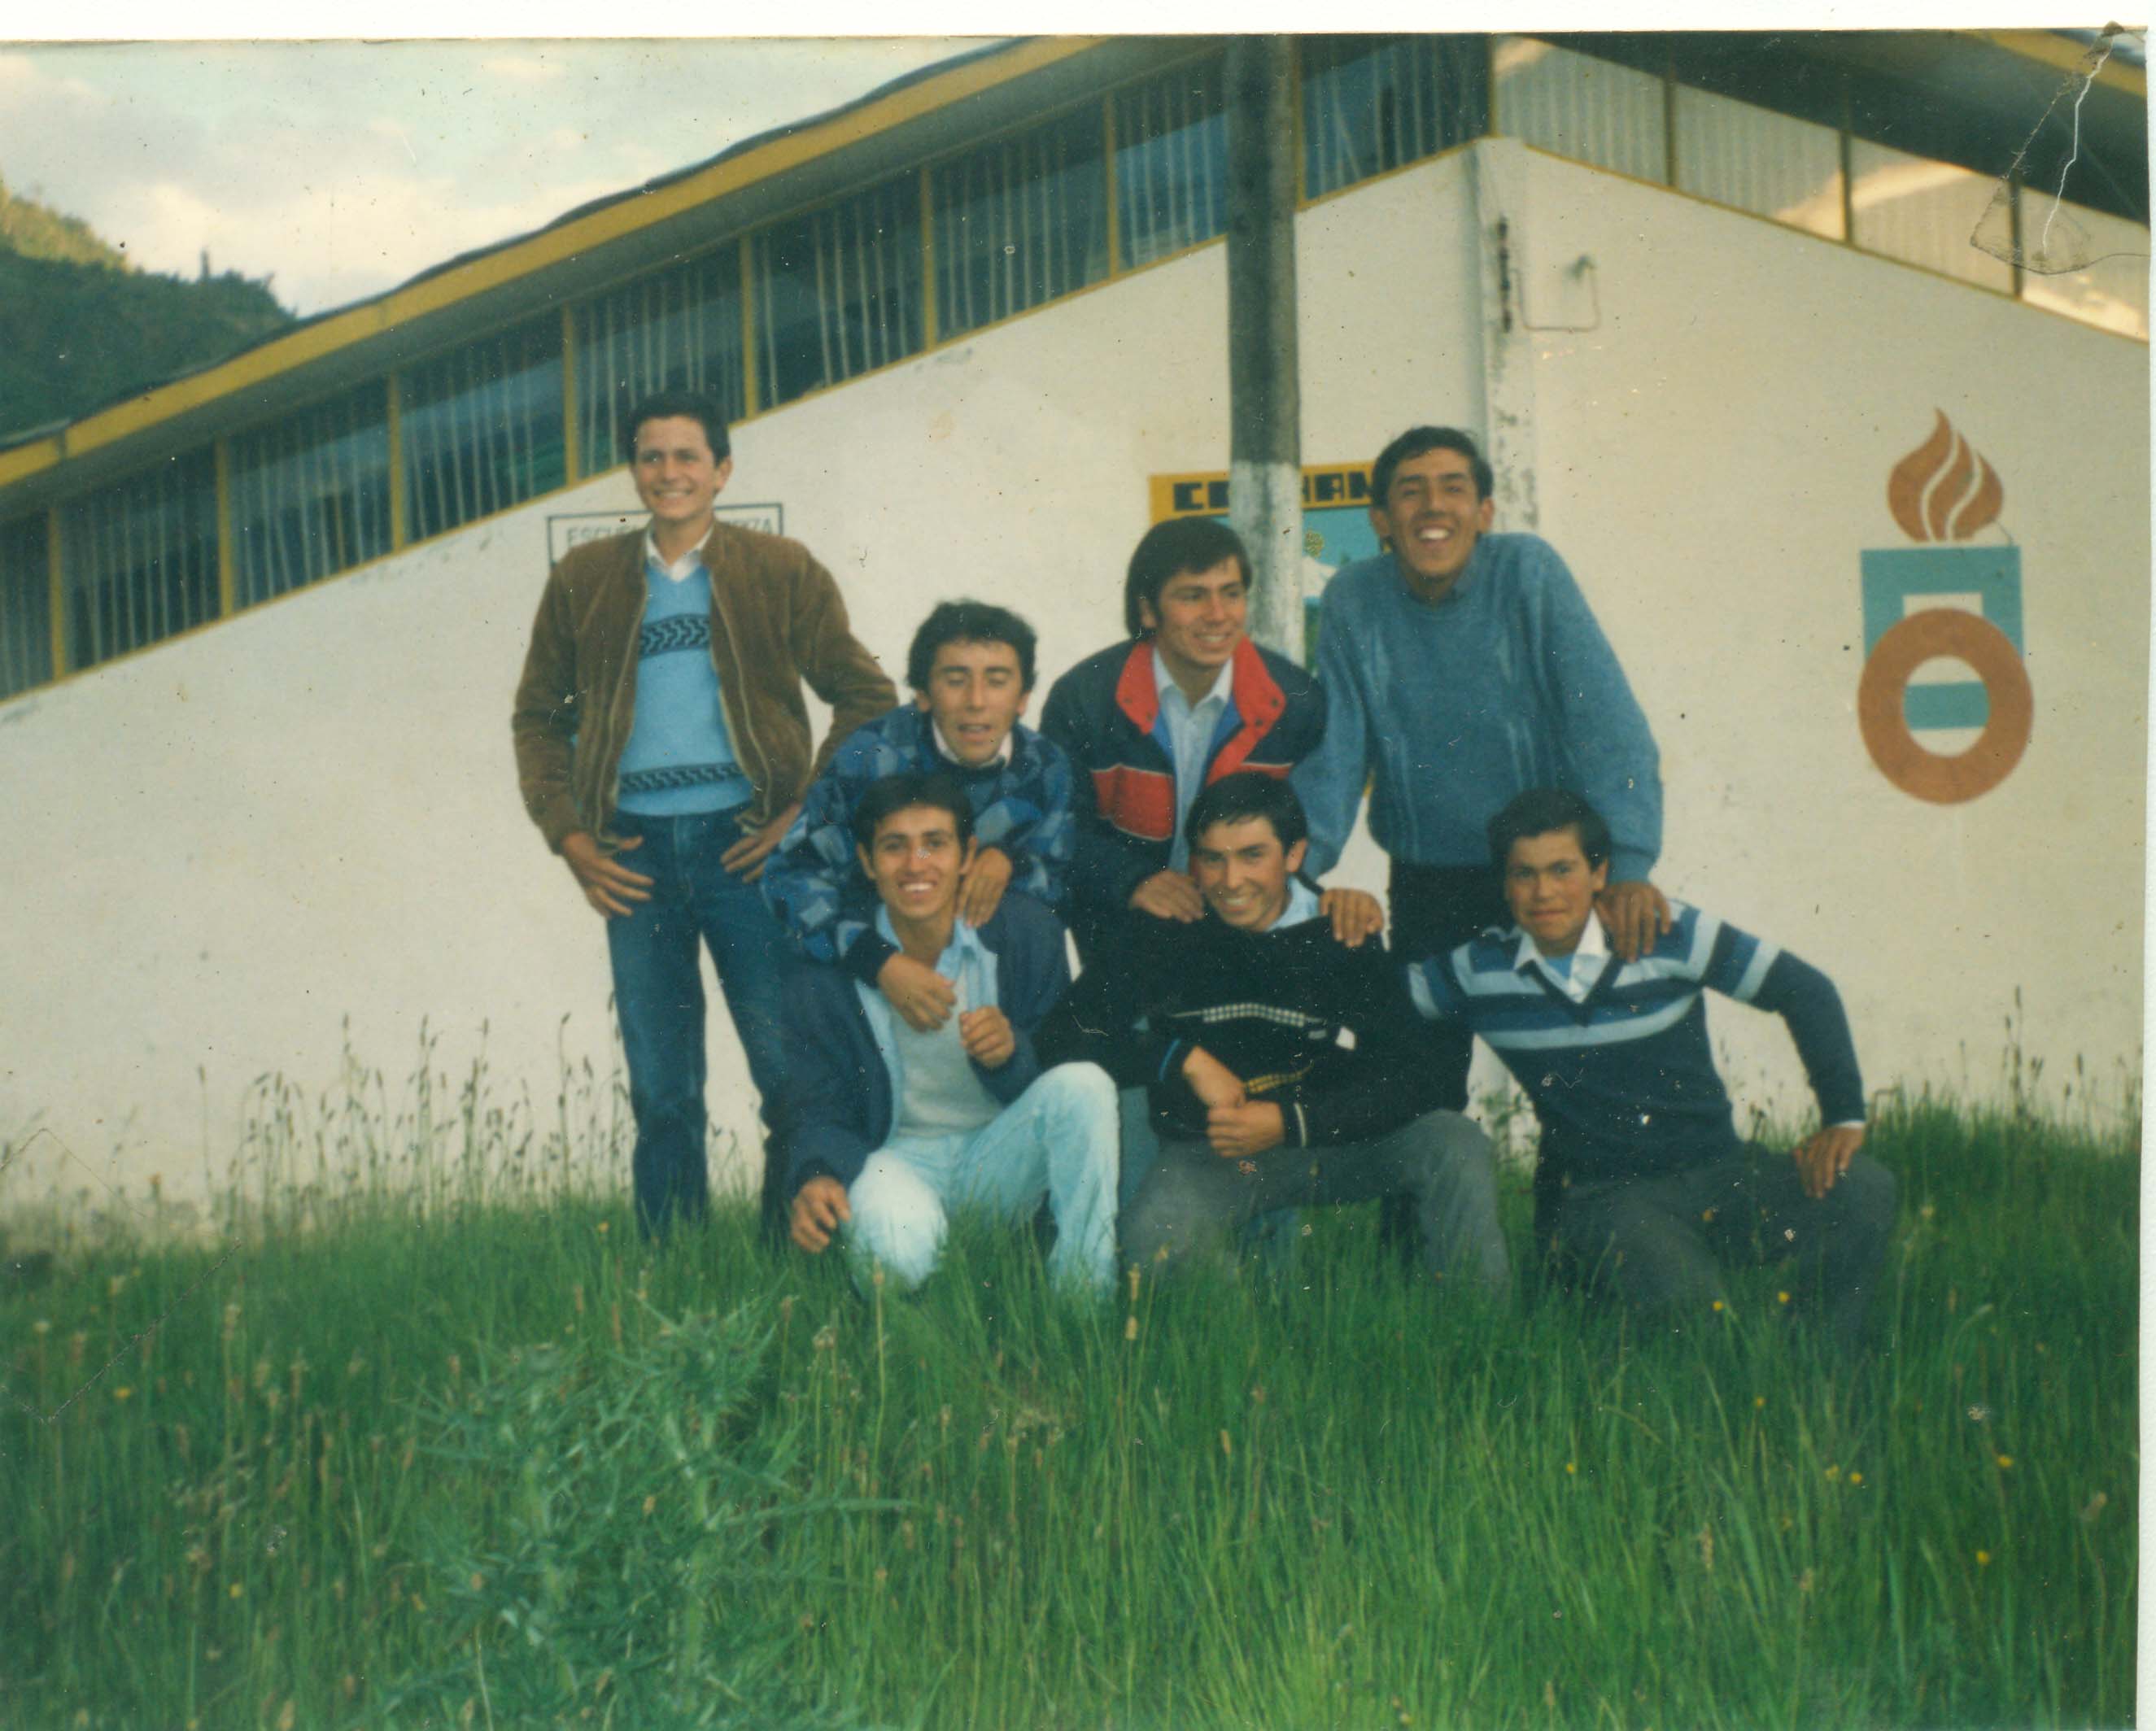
{"type": "Point", "coordinates": [1057, 1140]}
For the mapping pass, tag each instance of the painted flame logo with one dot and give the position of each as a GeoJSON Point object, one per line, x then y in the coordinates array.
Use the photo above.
{"type": "Point", "coordinates": [1943, 490]}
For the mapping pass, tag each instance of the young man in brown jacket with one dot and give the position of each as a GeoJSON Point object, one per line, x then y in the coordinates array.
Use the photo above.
{"type": "Point", "coordinates": [663, 747]}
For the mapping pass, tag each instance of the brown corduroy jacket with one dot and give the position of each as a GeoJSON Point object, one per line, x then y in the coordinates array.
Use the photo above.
{"type": "Point", "coordinates": [777, 619]}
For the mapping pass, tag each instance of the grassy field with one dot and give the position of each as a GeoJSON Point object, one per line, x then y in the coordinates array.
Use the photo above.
{"type": "Point", "coordinates": [450, 1453]}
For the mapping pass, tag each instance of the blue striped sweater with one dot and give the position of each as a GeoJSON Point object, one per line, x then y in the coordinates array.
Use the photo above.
{"type": "Point", "coordinates": [1623, 1082]}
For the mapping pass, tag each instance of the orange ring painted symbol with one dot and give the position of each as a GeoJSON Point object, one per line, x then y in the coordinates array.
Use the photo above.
{"type": "Point", "coordinates": [1905, 647]}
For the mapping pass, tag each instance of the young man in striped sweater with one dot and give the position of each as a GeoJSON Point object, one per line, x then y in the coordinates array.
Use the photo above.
{"type": "Point", "coordinates": [1654, 1189]}
{"type": "Point", "coordinates": [1281, 1062]}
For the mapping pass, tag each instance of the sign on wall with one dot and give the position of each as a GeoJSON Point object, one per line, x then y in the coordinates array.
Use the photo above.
{"type": "Point", "coordinates": [1944, 599]}
{"type": "Point", "coordinates": [573, 528]}
{"type": "Point", "coordinates": [1336, 520]}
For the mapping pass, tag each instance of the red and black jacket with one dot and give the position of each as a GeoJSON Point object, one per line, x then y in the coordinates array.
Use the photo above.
{"type": "Point", "coordinates": [1105, 713]}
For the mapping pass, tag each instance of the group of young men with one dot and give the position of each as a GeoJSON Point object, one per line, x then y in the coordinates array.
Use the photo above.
{"type": "Point", "coordinates": [887, 914]}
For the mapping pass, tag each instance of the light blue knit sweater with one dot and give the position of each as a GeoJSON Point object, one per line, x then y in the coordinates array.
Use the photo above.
{"type": "Point", "coordinates": [1449, 711]}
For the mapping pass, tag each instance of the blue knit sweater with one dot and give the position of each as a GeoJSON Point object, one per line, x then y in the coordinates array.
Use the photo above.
{"type": "Point", "coordinates": [1450, 710]}
{"type": "Point", "coordinates": [1624, 1083]}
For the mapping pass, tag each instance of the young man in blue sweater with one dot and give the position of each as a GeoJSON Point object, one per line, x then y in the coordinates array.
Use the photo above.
{"type": "Point", "coordinates": [1461, 667]}
{"type": "Point", "coordinates": [888, 1127]}
{"type": "Point", "coordinates": [970, 667]}
{"type": "Point", "coordinates": [1653, 1187]}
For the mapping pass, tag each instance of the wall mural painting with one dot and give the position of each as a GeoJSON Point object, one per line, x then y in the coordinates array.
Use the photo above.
{"type": "Point", "coordinates": [1947, 598]}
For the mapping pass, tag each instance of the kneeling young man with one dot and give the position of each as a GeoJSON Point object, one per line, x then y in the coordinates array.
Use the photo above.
{"type": "Point", "coordinates": [889, 1127]}
{"type": "Point", "coordinates": [1655, 1189]}
{"type": "Point", "coordinates": [1281, 1062]}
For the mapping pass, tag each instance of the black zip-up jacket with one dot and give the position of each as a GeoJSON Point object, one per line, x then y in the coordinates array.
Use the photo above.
{"type": "Point", "coordinates": [1323, 1031]}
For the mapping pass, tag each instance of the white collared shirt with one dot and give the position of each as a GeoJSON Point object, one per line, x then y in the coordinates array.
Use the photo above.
{"type": "Point", "coordinates": [943, 747]}
{"type": "Point", "coordinates": [1190, 728]}
{"type": "Point", "coordinates": [682, 569]}
{"type": "Point", "coordinates": [1585, 963]}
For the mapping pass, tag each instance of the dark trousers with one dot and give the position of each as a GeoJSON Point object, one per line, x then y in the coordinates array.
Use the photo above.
{"type": "Point", "coordinates": [659, 999]}
{"type": "Point", "coordinates": [1659, 1244]}
{"type": "Point", "coordinates": [1439, 1166]}
{"type": "Point", "coordinates": [1434, 909]}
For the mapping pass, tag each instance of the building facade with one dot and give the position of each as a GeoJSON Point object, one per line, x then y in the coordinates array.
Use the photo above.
{"type": "Point", "coordinates": [1785, 348]}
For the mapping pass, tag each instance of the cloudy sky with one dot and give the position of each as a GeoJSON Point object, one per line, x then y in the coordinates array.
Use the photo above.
{"type": "Point", "coordinates": [344, 167]}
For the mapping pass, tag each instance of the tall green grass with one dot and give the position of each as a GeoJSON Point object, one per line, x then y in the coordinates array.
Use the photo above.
{"type": "Point", "coordinates": [462, 1452]}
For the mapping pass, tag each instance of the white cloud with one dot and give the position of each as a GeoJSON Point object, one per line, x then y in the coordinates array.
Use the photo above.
{"type": "Point", "coordinates": [342, 168]}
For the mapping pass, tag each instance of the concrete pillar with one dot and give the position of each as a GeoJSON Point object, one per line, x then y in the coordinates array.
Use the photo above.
{"type": "Point", "coordinates": [1265, 386]}
{"type": "Point", "coordinates": [1500, 181]}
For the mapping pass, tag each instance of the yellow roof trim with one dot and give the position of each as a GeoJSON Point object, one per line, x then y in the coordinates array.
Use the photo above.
{"type": "Point", "coordinates": [2066, 55]}
{"type": "Point", "coordinates": [24, 461]}
{"type": "Point", "coordinates": [518, 259]}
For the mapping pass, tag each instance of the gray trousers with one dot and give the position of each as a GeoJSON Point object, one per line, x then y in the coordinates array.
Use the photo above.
{"type": "Point", "coordinates": [1192, 1202]}
{"type": "Point", "coordinates": [1659, 1243]}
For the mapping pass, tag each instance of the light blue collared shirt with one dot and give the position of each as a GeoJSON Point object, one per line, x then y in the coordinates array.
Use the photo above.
{"type": "Point", "coordinates": [1190, 730]}
{"type": "Point", "coordinates": [1301, 905]}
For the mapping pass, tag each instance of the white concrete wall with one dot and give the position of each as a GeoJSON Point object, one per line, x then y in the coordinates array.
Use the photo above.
{"type": "Point", "coordinates": [228, 847]}
{"type": "Point", "coordinates": [1715, 459]}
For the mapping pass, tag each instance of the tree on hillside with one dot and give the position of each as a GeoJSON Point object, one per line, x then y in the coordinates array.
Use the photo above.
{"type": "Point", "coordinates": [80, 327]}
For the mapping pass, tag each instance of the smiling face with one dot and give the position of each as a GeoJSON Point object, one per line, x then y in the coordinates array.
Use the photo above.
{"type": "Point", "coordinates": [1433, 515]}
{"type": "Point", "coordinates": [676, 476]}
{"type": "Point", "coordinates": [1550, 889]}
{"type": "Point", "coordinates": [915, 864]}
{"type": "Point", "coordinates": [1198, 622]}
{"type": "Point", "coordinates": [1242, 871]}
{"type": "Point", "coordinates": [976, 693]}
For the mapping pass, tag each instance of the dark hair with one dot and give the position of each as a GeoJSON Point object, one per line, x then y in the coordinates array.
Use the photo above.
{"type": "Point", "coordinates": [1538, 812]}
{"type": "Point", "coordinates": [968, 621]}
{"type": "Point", "coordinates": [689, 406]}
{"type": "Point", "coordinates": [1247, 794]}
{"type": "Point", "coordinates": [1168, 550]}
{"type": "Point", "coordinates": [1416, 441]}
{"type": "Point", "coordinates": [893, 794]}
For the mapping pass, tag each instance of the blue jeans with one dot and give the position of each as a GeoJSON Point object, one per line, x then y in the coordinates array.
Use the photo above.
{"type": "Point", "coordinates": [659, 996]}
{"type": "Point", "coordinates": [1057, 1140]}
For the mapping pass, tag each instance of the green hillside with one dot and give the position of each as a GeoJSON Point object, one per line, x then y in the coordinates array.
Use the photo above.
{"type": "Point", "coordinates": [79, 327]}
{"type": "Point", "coordinates": [37, 231]}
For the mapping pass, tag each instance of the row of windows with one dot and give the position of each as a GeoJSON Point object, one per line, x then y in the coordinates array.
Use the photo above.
{"type": "Point", "coordinates": [877, 275]}
{"type": "Point", "coordinates": [2090, 264]}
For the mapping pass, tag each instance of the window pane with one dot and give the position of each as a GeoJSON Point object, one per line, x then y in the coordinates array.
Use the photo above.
{"type": "Point", "coordinates": [1171, 163]}
{"type": "Point", "coordinates": [481, 427]}
{"type": "Point", "coordinates": [1589, 110]}
{"type": "Point", "coordinates": [26, 609]}
{"type": "Point", "coordinates": [2110, 290]}
{"type": "Point", "coordinates": [139, 561]}
{"type": "Point", "coordinates": [1020, 222]}
{"type": "Point", "coordinates": [677, 329]}
{"type": "Point", "coordinates": [1767, 163]}
{"type": "Point", "coordinates": [310, 494]}
{"type": "Point", "coordinates": [1923, 211]}
{"type": "Point", "coordinates": [837, 290]}
{"type": "Point", "coordinates": [1373, 103]}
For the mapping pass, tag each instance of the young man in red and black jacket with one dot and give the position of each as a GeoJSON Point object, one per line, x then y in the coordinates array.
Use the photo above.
{"type": "Point", "coordinates": [1149, 722]}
